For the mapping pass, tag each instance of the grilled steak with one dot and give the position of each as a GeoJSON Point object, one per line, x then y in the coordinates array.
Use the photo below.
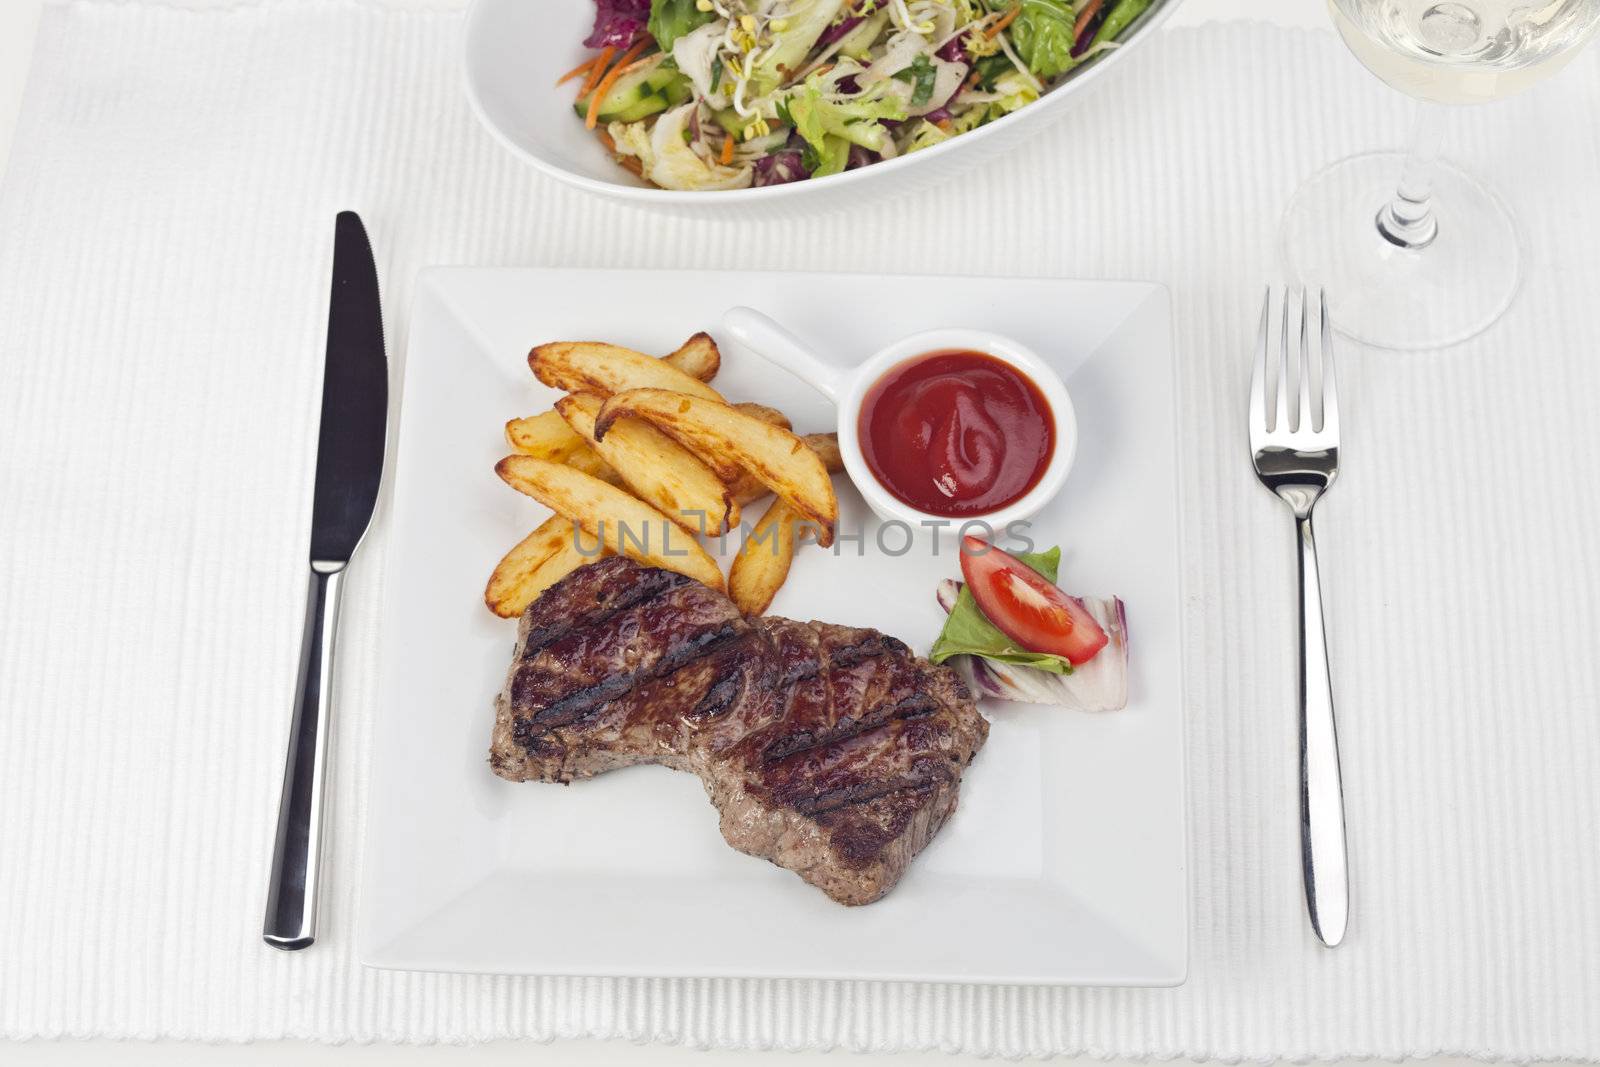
{"type": "Point", "coordinates": [830, 750]}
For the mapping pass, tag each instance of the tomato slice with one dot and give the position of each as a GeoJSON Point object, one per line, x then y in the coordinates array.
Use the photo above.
{"type": "Point", "coordinates": [1027, 608]}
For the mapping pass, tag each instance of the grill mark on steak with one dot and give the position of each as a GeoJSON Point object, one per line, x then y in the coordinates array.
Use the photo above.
{"type": "Point", "coordinates": [869, 679]}
{"type": "Point", "coordinates": [582, 702]}
{"type": "Point", "coordinates": [900, 754]}
{"type": "Point", "coordinates": [656, 633]}
{"type": "Point", "coordinates": [861, 833]}
{"type": "Point", "coordinates": [830, 750]}
{"type": "Point", "coordinates": [592, 603]}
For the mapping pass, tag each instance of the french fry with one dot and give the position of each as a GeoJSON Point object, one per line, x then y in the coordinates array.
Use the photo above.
{"type": "Point", "coordinates": [762, 565]}
{"type": "Point", "coordinates": [697, 357]}
{"type": "Point", "coordinates": [576, 550]}
{"type": "Point", "coordinates": [533, 565]}
{"type": "Point", "coordinates": [766, 414]}
{"type": "Point", "coordinates": [620, 521]}
{"type": "Point", "coordinates": [543, 436]}
{"type": "Point", "coordinates": [826, 446]}
{"type": "Point", "coordinates": [777, 457]}
{"type": "Point", "coordinates": [655, 467]}
{"type": "Point", "coordinates": [726, 467]}
{"type": "Point", "coordinates": [589, 462]}
{"type": "Point", "coordinates": [547, 435]}
{"type": "Point", "coordinates": [748, 488]}
{"type": "Point", "coordinates": [593, 367]}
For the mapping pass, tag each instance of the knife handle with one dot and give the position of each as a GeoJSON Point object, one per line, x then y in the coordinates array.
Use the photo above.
{"type": "Point", "coordinates": [291, 921]}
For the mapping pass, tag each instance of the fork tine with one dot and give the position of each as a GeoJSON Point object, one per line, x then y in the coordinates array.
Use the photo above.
{"type": "Point", "coordinates": [1280, 422]}
{"type": "Point", "coordinates": [1258, 372]}
{"type": "Point", "coordinates": [1303, 419]}
{"type": "Point", "coordinates": [1330, 390]}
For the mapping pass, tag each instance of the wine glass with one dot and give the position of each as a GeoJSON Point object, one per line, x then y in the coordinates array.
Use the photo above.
{"type": "Point", "coordinates": [1414, 252]}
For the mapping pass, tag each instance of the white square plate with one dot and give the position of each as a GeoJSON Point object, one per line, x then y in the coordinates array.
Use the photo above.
{"type": "Point", "coordinates": [1065, 862]}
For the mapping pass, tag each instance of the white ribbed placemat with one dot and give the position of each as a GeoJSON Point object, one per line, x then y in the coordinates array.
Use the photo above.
{"type": "Point", "coordinates": [164, 252]}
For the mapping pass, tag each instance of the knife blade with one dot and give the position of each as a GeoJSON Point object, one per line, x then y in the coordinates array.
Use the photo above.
{"type": "Point", "coordinates": [349, 471]}
{"type": "Point", "coordinates": [355, 400]}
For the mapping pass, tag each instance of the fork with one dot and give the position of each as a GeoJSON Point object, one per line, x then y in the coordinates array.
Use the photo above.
{"type": "Point", "coordinates": [1299, 463]}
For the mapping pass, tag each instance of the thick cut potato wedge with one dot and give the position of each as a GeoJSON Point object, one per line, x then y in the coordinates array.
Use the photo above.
{"type": "Point", "coordinates": [547, 435]}
{"type": "Point", "coordinates": [537, 562]}
{"type": "Point", "coordinates": [748, 488]}
{"type": "Point", "coordinates": [762, 565]}
{"type": "Point", "coordinates": [589, 462]}
{"type": "Point", "coordinates": [593, 367]}
{"type": "Point", "coordinates": [538, 437]}
{"type": "Point", "coordinates": [726, 467]}
{"type": "Point", "coordinates": [765, 414]}
{"type": "Point", "coordinates": [576, 550]}
{"type": "Point", "coordinates": [659, 471]}
{"type": "Point", "coordinates": [826, 446]}
{"type": "Point", "coordinates": [698, 357]}
{"type": "Point", "coordinates": [777, 457]}
{"type": "Point", "coordinates": [544, 436]}
{"type": "Point", "coordinates": [621, 522]}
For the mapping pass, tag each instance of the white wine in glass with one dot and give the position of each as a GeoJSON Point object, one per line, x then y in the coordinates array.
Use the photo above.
{"type": "Point", "coordinates": [1417, 253]}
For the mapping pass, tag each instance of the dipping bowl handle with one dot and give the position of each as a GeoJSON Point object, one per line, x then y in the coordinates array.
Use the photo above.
{"type": "Point", "coordinates": [775, 344]}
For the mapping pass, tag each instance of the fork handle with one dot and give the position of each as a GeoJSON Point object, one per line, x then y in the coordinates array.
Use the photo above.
{"type": "Point", "coordinates": [1322, 845]}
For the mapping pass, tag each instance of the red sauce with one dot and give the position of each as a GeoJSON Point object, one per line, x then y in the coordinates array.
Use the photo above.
{"type": "Point", "coordinates": [956, 433]}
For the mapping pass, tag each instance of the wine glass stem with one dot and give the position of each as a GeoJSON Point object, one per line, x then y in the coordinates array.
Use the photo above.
{"type": "Point", "coordinates": [1407, 221]}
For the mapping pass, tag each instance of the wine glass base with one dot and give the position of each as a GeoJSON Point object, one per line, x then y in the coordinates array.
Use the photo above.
{"type": "Point", "coordinates": [1393, 297]}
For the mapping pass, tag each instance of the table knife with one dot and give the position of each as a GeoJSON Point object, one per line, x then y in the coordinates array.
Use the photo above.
{"type": "Point", "coordinates": [350, 445]}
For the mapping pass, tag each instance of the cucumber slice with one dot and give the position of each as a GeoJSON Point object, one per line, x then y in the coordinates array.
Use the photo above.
{"type": "Point", "coordinates": [643, 109]}
{"type": "Point", "coordinates": [730, 120]}
{"type": "Point", "coordinates": [678, 90]}
{"type": "Point", "coordinates": [633, 88]}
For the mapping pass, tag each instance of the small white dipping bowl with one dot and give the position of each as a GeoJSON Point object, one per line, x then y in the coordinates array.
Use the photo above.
{"type": "Point", "coordinates": [516, 49]}
{"type": "Point", "coordinates": [847, 387]}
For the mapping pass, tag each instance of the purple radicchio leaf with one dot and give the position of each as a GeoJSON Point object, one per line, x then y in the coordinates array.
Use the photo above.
{"type": "Point", "coordinates": [1086, 38]}
{"type": "Point", "coordinates": [618, 23]}
{"type": "Point", "coordinates": [836, 33]}
{"type": "Point", "coordinates": [861, 157]}
{"type": "Point", "coordinates": [779, 168]}
{"type": "Point", "coordinates": [953, 51]}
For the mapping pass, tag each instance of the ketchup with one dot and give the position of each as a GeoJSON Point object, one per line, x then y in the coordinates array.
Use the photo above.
{"type": "Point", "coordinates": [956, 433]}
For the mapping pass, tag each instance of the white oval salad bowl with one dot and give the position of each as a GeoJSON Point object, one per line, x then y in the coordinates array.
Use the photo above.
{"type": "Point", "coordinates": [515, 50]}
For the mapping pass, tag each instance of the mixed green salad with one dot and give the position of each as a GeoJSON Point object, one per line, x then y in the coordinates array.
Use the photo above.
{"type": "Point", "coordinates": [1012, 633]}
{"type": "Point", "coordinates": [727, 94]}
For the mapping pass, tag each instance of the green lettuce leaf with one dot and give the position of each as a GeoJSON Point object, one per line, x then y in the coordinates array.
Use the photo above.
{"type": "Point", "coordinates": [671, 19]}
{"type": "Point", "coordinates": [1042, 34]}
{"type": "Point", "coordinates": [815, 116]}
{"type": "Point", "coordinates": [968, 632]}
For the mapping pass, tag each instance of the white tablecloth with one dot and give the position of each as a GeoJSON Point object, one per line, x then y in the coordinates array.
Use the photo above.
{"type": "Point", "coordinates": [164, 250]}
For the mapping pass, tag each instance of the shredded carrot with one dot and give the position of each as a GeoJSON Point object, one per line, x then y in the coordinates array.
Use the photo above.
{"type": "Point", "coordinates": [1005, 20]}
{"type": "Point", "coordinates": [629, 163]}
{"type": "Point", "coordinates": [945, 124]}
{"type": "Point", "coordinates": [604, 86]}
{"type": "Point", "coordinates": [600, 63]}
{"type": "Point", "coordinates": [972, 82]}
{"type": "Point", "coordinates": [1088, 12]}
{"type": "Point", "coordinates": [727, 152]}
{"type": "Point", "coordinates": [820, 71]}
{"type": "Point", "coordinates": [575, 71]}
